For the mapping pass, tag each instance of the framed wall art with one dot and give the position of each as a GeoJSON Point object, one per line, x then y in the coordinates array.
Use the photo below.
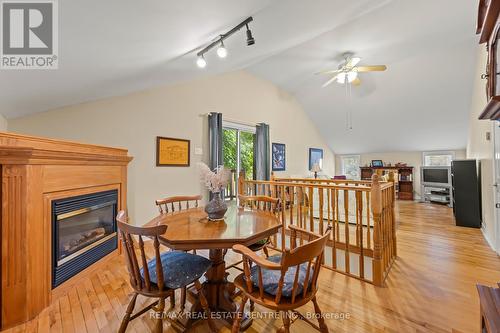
{"type": "Point", "coordinates": [278, 156]}
{"type": "Point", "coordinates": [315, 157]}
{"type": "Point", "coordinates": [172, 152]}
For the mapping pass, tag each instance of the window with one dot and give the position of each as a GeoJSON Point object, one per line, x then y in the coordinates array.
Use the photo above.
{"type": "Point", "coordinates": [237, 152]}
{"type": "Point", "coordinates": [438, 158]}
{"type": "Point", "coordinates": [349, 165]}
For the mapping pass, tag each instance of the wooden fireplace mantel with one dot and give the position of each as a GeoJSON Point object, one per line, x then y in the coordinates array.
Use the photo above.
{"type": "Point", "coordinates": [34, 172]}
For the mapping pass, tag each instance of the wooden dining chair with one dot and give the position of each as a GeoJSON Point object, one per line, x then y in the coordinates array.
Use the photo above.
{"type": "Point", "coordinates": [160, 276]}
{"type": "Point", "coordinates": [258, 202]}
{"type": "Point", "coordinates": [171, 205]}
{"type": "Point", "coordinates": [283, 282]}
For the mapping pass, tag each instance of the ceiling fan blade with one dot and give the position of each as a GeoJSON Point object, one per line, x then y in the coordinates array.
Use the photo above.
{"type": "Point", "coordinates": [375, 68]}
{"type": "Point", "coordinates": [356, 82]}
{"type": "Point", "coordinates": [352, 62]}
{"type": "Point", "coordinates": [329, 81]}
{"type": "Point", "coordinates": [331, 71]}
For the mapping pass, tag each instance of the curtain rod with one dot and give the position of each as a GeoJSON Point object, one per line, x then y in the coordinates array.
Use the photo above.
{"type": "Point", "coordinates": [233, 120]}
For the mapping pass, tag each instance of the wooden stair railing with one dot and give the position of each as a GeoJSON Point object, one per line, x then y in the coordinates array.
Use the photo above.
{"type": "Point", "coordinates": [361, 214]}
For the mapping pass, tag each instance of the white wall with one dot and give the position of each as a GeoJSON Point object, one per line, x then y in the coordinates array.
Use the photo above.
{"type": "Point", "coordinates": [478, 147]}
{"type": "Point", "coordinates": [134, 121]}
{"type": "Point", "coordinates": [412, 158]}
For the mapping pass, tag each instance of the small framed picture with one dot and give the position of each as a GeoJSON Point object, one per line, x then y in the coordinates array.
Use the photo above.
{"type": "Point", "coordinates": [377, 163]}
{"type": "Point", "coordinates": [279, 156]}
{"type": "Point", "coordinates": [172, 152]}
{"type": "Point", "coordinates": [315, 157]}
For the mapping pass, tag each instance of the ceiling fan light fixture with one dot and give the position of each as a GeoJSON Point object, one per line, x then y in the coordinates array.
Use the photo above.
{"type": "Point", "coordinates": [341, 78]}
{"type": "Point", "coordinates": [351, 76]}
{"type": "Point", "coordinates": [347, 77]}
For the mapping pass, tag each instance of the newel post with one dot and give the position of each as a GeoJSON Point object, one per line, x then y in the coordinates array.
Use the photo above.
{"type": "Point", "coordinates": [393, 214]}
{"type": "Point", "coordinates": [241, 183]}
{"type": "Point", "coordinates": [376, 204]}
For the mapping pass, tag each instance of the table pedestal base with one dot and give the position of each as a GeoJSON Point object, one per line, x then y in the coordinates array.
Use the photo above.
{"type": "Point", "coordinates": [219, 292]}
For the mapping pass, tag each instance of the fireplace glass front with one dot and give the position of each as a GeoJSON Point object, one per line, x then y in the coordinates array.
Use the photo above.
{"type": "Point", "coordinates": [84, 231]}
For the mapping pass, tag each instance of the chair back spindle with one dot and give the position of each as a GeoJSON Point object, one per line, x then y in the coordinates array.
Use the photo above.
{"type": "Point", "coordinates": [171, 204]}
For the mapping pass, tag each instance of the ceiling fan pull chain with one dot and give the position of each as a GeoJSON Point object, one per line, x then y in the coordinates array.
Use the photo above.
{"type": "Point", "coordinates": [347, 105]}
{"type": "Point", "coordinates": [351, 109]}
{"type": "Point", "coordinates": [348, 91]}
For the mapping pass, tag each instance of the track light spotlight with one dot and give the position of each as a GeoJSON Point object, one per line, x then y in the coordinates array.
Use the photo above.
{"type": "Point", "coordinates": [250, 39]}
{"type": "Point", "coordinates": [201, 62]}
{"type": "Point", "coordinates": [221, 50]}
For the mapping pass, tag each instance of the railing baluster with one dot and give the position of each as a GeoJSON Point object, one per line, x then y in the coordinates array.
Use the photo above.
{"type": "Point", "coordinates": [346, 231]}
{"type": "Point", "coordinates": [337, 212]}
{"type": "Point", "coordinates": [334, 239]}
{"type": "Point", "coordinates": [320, 195]}
{"type": "Point", "coordinates": [368, 229]}
{"type": "Point", "coordinates": [299, 206]}
{"type": "Point", "coordinates": [359, 196]}
{"type": "Point", "coordinates": [311, 217]}
{"type": "Point", "coordinates": [328, 193]}
{"type": "Point", "coordinates": [283, 217]}
{"type": "Point", "coordinates": [291, 193]}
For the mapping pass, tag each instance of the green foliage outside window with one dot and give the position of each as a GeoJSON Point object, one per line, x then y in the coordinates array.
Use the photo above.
{"type": "Point", "coordinates": [229, 150]}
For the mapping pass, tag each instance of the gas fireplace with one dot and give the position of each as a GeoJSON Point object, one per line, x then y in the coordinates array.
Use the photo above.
{"type": "Point", "coordinates": [84, 231]}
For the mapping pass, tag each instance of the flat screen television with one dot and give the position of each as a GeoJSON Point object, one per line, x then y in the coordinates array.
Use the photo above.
{"type": "Point", "coordinates": [435, 175]}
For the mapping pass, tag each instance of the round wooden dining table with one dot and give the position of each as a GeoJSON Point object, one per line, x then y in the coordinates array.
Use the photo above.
{"type": "Point", "coordinates": [190, 229]}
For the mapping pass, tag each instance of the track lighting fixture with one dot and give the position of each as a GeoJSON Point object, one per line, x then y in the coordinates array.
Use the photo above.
{"type": "Point", "coordinates": [250, 39]}
{"type": "Point", "coordinates": [201, 62]}
{"type": "Point", "coordinates": [221, 48]}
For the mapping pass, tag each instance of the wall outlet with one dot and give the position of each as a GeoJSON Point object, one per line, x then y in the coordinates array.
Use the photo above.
{"type": "Point", "coordinates": [198, 151]}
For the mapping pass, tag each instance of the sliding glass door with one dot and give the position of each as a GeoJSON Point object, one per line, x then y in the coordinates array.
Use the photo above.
{"type": "Point", "coordinates": [238, 154]}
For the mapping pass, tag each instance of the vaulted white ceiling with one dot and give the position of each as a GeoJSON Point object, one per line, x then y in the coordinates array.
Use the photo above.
{"type": "Point", "coordinates": [115, 47]}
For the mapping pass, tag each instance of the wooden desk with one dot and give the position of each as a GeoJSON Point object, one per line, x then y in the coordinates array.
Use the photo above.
{"type": "Point", "coordinates": [190, 229]}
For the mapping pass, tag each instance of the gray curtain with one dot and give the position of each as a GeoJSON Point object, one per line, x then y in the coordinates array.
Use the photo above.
{"type": "Point", "coordinates": [215, 142]}
{"type": "Point", "coordinates": [215, 139]}
{"type": "Point", "coordinates": [262, 152]}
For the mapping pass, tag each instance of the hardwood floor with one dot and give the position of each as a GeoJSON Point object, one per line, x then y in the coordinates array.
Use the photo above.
{"type": "Point", "coordinates": [431, 287]}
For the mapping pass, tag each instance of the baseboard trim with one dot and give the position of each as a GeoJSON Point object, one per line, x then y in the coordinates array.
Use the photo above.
{"type": "Point", "coordinates": [488, 240]}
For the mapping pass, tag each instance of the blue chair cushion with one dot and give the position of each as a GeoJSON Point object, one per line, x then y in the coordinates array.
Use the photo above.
{"type": "Point", "coordinates": [179, 268]}
{"type": "Point", "coordinates": [259, 244]}
{"type": "Point", "coordinates": [271, 278]}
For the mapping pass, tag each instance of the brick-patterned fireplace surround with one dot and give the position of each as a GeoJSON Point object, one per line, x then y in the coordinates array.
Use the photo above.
{"type": "Point", "coordinates": [38, 173]}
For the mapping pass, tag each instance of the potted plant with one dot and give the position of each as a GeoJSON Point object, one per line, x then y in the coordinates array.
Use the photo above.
{"type": "Point", "coordinates": [215, 181]}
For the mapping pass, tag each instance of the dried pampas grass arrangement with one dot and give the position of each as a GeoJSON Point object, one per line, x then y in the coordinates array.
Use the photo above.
{"type": "Point", "coordinates": [215, 180]}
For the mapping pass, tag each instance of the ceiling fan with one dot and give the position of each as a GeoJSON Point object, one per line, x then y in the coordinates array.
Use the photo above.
{"type": "Point", "coordinates": [347, 71]}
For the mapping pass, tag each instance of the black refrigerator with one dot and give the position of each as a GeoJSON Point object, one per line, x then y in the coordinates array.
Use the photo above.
{"type": "Point", "coordinates": [466, 186]}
